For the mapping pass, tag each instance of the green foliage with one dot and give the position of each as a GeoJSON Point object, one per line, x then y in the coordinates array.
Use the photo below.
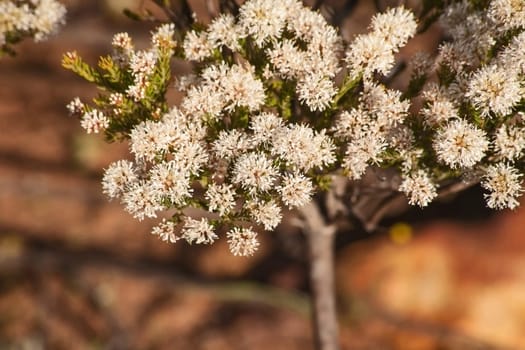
{"type": "Point", "coordinates": [114, 77]}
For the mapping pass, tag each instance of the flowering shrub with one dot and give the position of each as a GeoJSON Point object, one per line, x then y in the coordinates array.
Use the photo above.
{"type": "Point", "coordinates": [278, 102]}
{"type": "Point", "coordinates": [28, 18]}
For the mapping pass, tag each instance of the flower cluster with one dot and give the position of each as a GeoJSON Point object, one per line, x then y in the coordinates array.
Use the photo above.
{"type": "Point", "coordinates": [265, 120]}
{"type": "Point", "coordinates": [29, 18]}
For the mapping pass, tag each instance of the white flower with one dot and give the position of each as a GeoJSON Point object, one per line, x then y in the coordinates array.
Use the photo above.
{"type": "Point", "coordinates": [220, 198]}
{"type": "Point", "coordinates": [231, 143]}
{"type": "Point", "coordinates": [508, 14]}
{"type": "Point", "coordinates": [395, 26]}
{"type": "Point", "coordinates": [192, 157]}
{"type": "Point", "coordinates": [76, 107]}
{"type": "Point", "coordinates": [122, 41]}
{"type": "Point", "coordinates": [460, 144]}
{"type": "Point", "coordinates": [512, 57]}
{"type": "Point", "coordinates": [262, 19]}
{"type": "Point", "coordinates": [296, 190]}
{"type": "Point", "coordinates": [362, 151]}
{"type": "Point", "coordinates": [419, 188]}
{"type": "Point", "coordinates": [349, 123]}
{"type": "Point", "coordinates": [302, 147]}
{"type": "Point", "coordinates": [196, 46]}
{"type": "Point", "coordinates": [504, 184]}
{"type": "Point", "coordinates": [242, 241]}
{"type": "Point", "coordinates": [94, 121]}
{"type": "Point", "coordinates": [147, 141]}
{"type": "Point", "coordinates": [198, 231]}
{"type": "Point", "coordinates": [171, 181]}
{"type": "Point", "coordinates": [223, 31]}
{"type": "Point", "coordinates": [287, 59]}
{"type": "Point", "coordinates": [48, 16]}
{"type": "Point", "coordinates": [254, 172]}
{"type": "Point", "coordinates": [264, 126]}
{"type": "Point", "coordinates": [316, 91]}
{"type": "Point", "coordinates": [142, 63]}
{"type": "Point", "coordinates": [118, 177]}
{"type": "Point", "coordinates": [384, 104]}
{"type": "Point", "coordinates": [439, 112]}
{"type": "Point", "coordinates": [142, 200]}
{"type": "Point", "coordinates": [266, 213]}
{"type": "Point", "coordinates": [166, 231]}
{"type": "Point", "coordinates": [493, 89]}
{"type": "Point", "coordinates": [368, 54]}
{"type": "Point", "coordinates": [241, 88]}
{"type": "Point", "coordinates": [203, 101]}
{"type": "Point", "coordinates": [509, 142]}
{"type": "Point", "coordinates": [162, 37]}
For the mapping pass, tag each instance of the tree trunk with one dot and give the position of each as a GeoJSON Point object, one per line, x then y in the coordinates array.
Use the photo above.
{"type": "Point", "coordinates": [320, 237]}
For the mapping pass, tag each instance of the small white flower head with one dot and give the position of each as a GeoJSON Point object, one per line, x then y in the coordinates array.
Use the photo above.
{"type": "Point", "coordinates": [302, 147]}
{"type": "Point", "coordinates": [267, 214]}
{"type": "Point", "coordinates": [122, 41]}
{"type": "Point", "coordinates": [118, 177]}
{"type": "Point", "coordinates": [504, 184]}
{"type": "Point", "coordinates": [438, 112]}
{"type": "Point", "coordinates": [296, 190]}
{"type": "Point", "coordinates": [166, 231]}
{"type": "Point", "coordinates": [419, 188]}
{"type": "Point", "coordinates": [264, 126]}
{"type": "Point", "coordinates": [198, 231]}
{"type": "Point", "coordinates": [94, 121]}
{"type": "Point", "coordinates": [287, 59]}
{"type": "Point", "coordinates": [242, 241]}
{"type": "Point", "coordinates": [385, 104]}
{"type": "Point", "coordinates": [316, 91]}
{"type": "Point", "coordinates": [509, 142]}
{"type": "Point", "coordinates": [349, 123]}
{"type": "Point", "coordinates": [48, 16]}
{"type": "Point", "coordinates": [368, 54]}
{"type": "Point", "coordinates": [204, 102]}
{"type": "Point", "coordinates": [171, 182]}
{"type": "Point", "coordinates": [162, 37]}
{"type": "Point", "coordinates": [191, 157]}
{"type": "Point", "coordinates": [401, 138]}
{"type": "Point", "coordinates": [76, 107]}
{"type": "Point", "coordinates": [460, 144]}
{"type": "Point", "coordinates": [306, 23]}
{"type": "Point", "coordinates": [492, 89]}
{"type": "Point", "coordinates": [508, 14]}
{"type": "Point", "coordinates": [146, 140]}
{"type": "Point", "coordinates": [361, 152]}
{"type": "Point", "coordinates": [196, 46]}
{"type": "Point", "coordinates": [395, 26]}
{"type": "Point", "coordinates": [117, 100]}
{"type": "Point", "coordinates": [255, 172]}
{"type": "Point", "coordinates": [262, 20]}
{"type": "Point", "coordinates": [142, 63]}
{"type": "Point", "coordinates": [512, 57]}
{"type": "Point", "coordinates": [231, 143]}
{"type": "Point", "coordinates": [142, 200]}
{"type": "Point", "coordinates": [221, 198]}
{"type": "Point", "coordinates": [224, 31]}
{"type": "Point", "coordinates": [240, 87]}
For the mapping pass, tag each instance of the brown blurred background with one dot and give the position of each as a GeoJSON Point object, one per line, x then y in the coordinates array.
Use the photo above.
{"type": "Point", "coordinates": [77, 272]}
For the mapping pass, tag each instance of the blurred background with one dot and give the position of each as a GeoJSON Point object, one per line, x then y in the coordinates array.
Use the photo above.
{"type": "Point", "coordinates": [77, 272]}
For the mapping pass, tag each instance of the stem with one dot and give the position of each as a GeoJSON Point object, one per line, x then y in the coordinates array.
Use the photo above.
{"type": "Point", "coordinates": [320, 237]}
